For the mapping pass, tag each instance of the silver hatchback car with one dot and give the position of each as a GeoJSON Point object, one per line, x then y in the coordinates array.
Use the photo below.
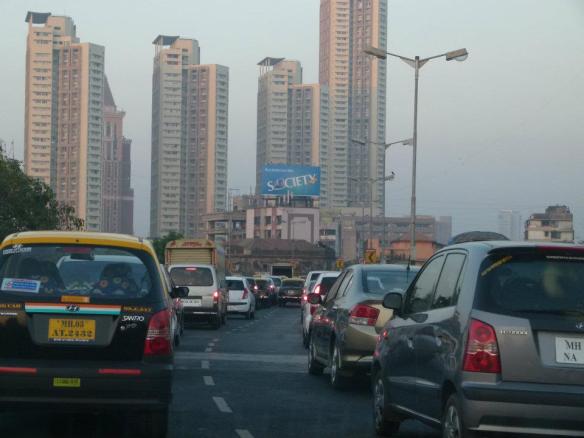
{"type": "Point", "coordinates": [488, 338]}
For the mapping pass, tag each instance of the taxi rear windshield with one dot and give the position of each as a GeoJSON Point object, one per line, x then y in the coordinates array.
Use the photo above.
{"type": "Point", "coordinates": [292, 283]}
{"type": "Point", "coordinates": [93, 271]}
{"type": "Point", "coordinates": [539, 282]}
{"type": "Point", "coordinates": [192, 276]}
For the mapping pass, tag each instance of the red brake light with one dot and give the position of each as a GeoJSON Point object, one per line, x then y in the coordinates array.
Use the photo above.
{"type": "Point", "coordinates": [305, 297]}
{"type": "Point", "coordinates": [120, 371]}
{"type": "Point", "coordinates": [255, 287]}
{"type": "Point", "coordinates": [482, 351]}
{"type": "Point", "coordinates": [216, 296]}
{"type": "Point", "coordinates": [362, 314]}
{"type": "Point", "coordinates": [158, 340]}
{"type": "Point", "coordinates": [245, 294]}
{"type": "Point", "coordinates": [316, 289]}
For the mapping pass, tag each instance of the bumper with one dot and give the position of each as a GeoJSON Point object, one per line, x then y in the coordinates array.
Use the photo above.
{"type": "Point", "coordinates": [200, 311]}
{"type": "Point", "coordinates": [148, 390]}
{"type": "Point", "coordinates": [524, 408]}
{"type": "Point", "coordinates": [296, 299]}
{"type": "Point", "coordinates": [358, 346]}
{"type": "Point", "coordinates": [238, 307]}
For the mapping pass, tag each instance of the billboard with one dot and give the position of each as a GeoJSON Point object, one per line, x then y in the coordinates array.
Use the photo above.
{"type": "Point", "coordinates": [287, 179]}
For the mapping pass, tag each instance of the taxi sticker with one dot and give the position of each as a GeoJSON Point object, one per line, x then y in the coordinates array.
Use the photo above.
{"type": "Point", "coordinates": [10, 306]}
{"type": "Point", "coordinates": [17, 249]}
{"type": "Point", "coordinates": [21, 285]}
{"type": "Point", "coordinates": [496, 265]}
{"type": "Point", "coordinates": [74, 299]}
{"type": "Point", "coordinates": [137, 309]}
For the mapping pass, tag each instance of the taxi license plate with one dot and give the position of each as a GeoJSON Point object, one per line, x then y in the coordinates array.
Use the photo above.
{"type": "Point", "coordinates": [71, 330]}
{"type": "Point", "coordinates": [193, 302]}
{"type": "Point", "coordinates": [570, 350]}
{"type": "Point", "coordinates": [66, 382]}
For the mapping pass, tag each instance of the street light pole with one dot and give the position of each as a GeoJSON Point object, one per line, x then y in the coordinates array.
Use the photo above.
{"type": "Point", "coordinates": [414, 161]}
{"type": "Point", "coordinates": [416, 63]}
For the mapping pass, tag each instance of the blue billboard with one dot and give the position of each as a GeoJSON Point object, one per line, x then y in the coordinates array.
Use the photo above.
{"type": "Point", "coordinates": [287, 179]}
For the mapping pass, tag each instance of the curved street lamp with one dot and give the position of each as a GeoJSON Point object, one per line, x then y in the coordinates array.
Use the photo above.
{"type": "Point", "coordinates": [416, 63]}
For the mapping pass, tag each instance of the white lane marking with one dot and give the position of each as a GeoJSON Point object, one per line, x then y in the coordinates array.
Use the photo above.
{"type": "Point", "coordinates": [211, 344]}
{"type": "Point", "coordinates": [208, 380]}
{"type": "Point", "coordinates": [243, 433]}
{"type": "Point", "coordinates": [216, 340]}
{"type": "Point", "coordinates": [222, 405]}
{"type": "Point", "coordinates": [205, 364]}
{"type": "Point", "coordinates": [208, 350]}
{"type": "Point", "coordinates": [242, 357]}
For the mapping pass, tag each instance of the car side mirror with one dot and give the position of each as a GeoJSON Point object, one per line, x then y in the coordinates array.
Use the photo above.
{"type": "Point", "coordinates": [314, 298]}
{"type": "Point", "coordinates": [179, 292]}
{"type": "Point", "coordinates": [392, 301]}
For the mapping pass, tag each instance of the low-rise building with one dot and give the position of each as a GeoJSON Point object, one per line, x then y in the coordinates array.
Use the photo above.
{"type": "Point", "coordinates": [399, 249]}
{"type": "Point", "coordinates": [555, 225]}
{"type": "Point", "coordinates": [283, 223]}
{"type": "Point", "coordinates": [225, 226]}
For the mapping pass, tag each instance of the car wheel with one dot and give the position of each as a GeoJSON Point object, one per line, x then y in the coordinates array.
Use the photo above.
{"type": "Point", "coordinates": [252, 316]}
{"type": "Point", "coordinates": [452, 423]}
{"type": "Point", "coordinates": [338, 381]}
{"type": "Point", "coordinates": [248, 313]}
{"type": "Point", "coordinates": [314, 367]}
{"type": "Point", "coordinates": [182, 326]}
{"type": "Point", "coordinates": [384, 424]}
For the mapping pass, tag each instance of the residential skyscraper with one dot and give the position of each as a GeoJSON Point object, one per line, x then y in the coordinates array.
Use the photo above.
{"type": "Point", "coordinates": [117, 195]}
{"type": "Point", "coordinates": [292, 119]}
{"type": "Point", "coordinates": [356, 85]}
{"type": "Point", "coordinates": [511, 224]}
{"type": "Point", "coordinates": [64, 114]}
{"type": "Point", "coordinates": [189, 138]}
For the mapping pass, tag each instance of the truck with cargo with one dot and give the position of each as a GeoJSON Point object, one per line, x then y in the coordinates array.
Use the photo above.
{"type": "Point", "coordinates": [282, 270]}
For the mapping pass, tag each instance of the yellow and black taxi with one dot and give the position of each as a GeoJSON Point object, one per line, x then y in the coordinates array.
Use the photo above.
{"type": "Point", "coordinates": [86, 323]}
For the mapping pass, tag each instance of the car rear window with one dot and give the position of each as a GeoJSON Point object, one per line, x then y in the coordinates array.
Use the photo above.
{"type": "Point", "coordinates": [292, 283]}
{"type": "Point", "coordinates": [262, 283]}
{"type": "Point", "coordinates": [543, 282]}
{"type": "Point", "coordinates": [380, 282]}
{"type": "Point", "coordinates": [314, 276]}
{"type": "Point", "coordinates": [326, 283]}
{"type": "Point", "coordinates": [192, 276]}
{"type": "Point", "coordinates": [277, 281]}
{"type": "Point", "coordinates": [93, 271]}
{"type": "Point", "coordinates": [235, 284]}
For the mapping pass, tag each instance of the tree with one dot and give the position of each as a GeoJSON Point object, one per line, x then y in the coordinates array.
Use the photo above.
{"type": "Point", "coordinates": [27, 204]}
{"type": "Point", "coordinates": [159, 243]}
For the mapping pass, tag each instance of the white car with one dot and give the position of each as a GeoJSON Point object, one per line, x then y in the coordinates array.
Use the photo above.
{"type": "Point", "coordinates": [241, 298]}
{"type": "Point", "coordinates": [322, 285]}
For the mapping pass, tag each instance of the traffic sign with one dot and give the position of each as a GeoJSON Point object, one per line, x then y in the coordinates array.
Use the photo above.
{"type": "Point", "coordinates": [371, 256]}
{"type": "Point", "coordinates": [340, 264]}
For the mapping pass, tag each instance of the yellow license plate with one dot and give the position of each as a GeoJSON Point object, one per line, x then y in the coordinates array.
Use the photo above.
{"type": "Point", "coordinates": [71, 330]}
{"type": "Point", "coordinates": [66, 382]}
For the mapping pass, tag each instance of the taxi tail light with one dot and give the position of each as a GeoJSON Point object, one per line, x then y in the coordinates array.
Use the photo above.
{"type": "Point", "coordinates": [316, 289]}
{"type": "Point", "coordinates": [482, 351]}
{"type": "Point", "coordinates": [363, 314]}
{"type": "Point", "coordinates": [245, 294]}
{"type": "Point", "coordinates": [305, 297]}
{"type": "Point", "coordinates": [120, 371]}
{"type": "Point", "coordinates": [216, 296]}
{"type": "Point", "coordinates": [158, 340]}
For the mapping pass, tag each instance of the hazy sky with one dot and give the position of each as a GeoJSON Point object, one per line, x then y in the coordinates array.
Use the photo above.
{"type": "Point", "coordinates": [505, 129]}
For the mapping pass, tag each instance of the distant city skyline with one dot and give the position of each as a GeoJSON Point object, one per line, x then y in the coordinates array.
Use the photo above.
{"type": "Point", "coordinates": [494, 131]}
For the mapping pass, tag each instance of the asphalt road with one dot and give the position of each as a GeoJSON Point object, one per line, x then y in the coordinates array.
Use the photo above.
{"type": "Point", "coordinates": [247, 379]}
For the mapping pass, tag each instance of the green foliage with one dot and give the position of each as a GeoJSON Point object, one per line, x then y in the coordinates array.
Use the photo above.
{"type": "Point", "coordinates": [27, 204]}
{"type": "Point", "coordinates": [160, 243]}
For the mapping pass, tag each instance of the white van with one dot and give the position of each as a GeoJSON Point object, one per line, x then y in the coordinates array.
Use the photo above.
{"type": "Point", "coordinates": [207, 297]}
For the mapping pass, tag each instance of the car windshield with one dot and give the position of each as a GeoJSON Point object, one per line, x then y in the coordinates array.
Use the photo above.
{"type": "Point", "coordinates": [523, 283]}
{"type": "Point", "coordinates": [292, 283]}
{"type": "Point", "coordinates": [57, 270]}
{"type": "Point", "coordinates": [380, 282]}
{"type": "Point", "coordinates": [191, 276]}
{"type": "Point", "coordinates": [235, 284]}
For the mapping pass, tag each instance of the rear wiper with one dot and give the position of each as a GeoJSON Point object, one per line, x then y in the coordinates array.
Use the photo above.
{"type": "Point", "coordinates": [564, 312]}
